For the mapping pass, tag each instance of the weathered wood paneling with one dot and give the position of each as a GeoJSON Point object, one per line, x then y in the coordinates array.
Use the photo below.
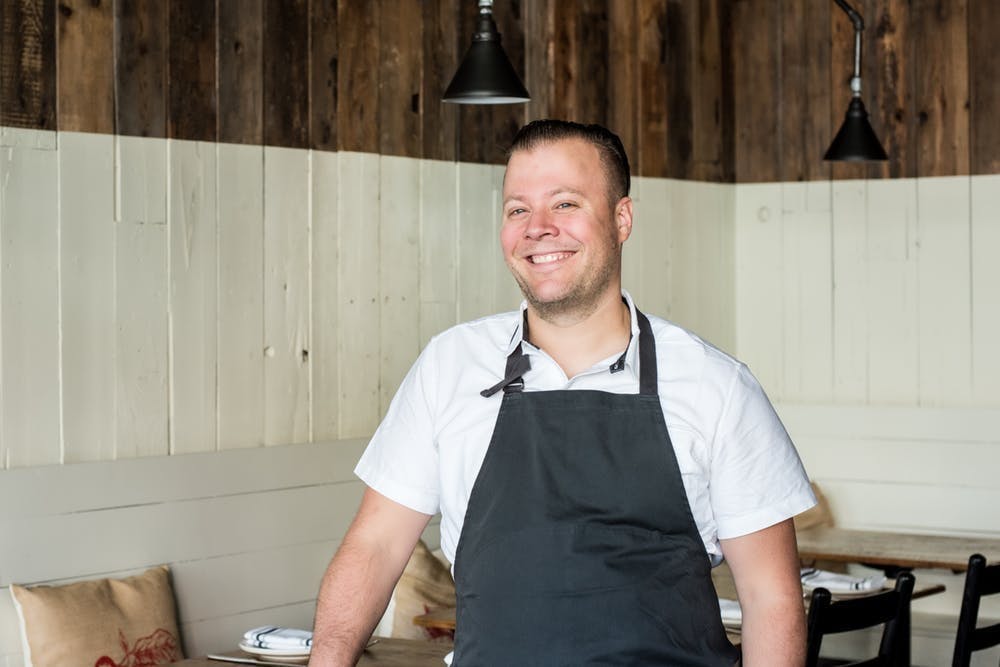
{"type": "Point", "coordinates": [141, 68]}
{"type": "Point", "coordinates": [241, 72]}
{"type": "Point", "coordinates": [325, 308]}
{"type": "Point", "coordinates": [324, 40]}
{"type": "Point", "coordinates": [286, 73]}
{"type": "Point", "coordinates": [192, 89]}
{"type": "Point", "coordinates": [623, 77]}
{"type": "Point", "coordinates": [756, 61]}
{"type": "Point", "coordinates": [400, 64]}
{"type": "Point", "coordinates": [440, 57]}
{"type": "Point", "coordinates": [28, 64]}
{"type": "Point", "coordinates": [358, 76]}
{"type": "Point", "coordinates": [85, 48]}
{"type": "Point", "coordinates": [984, 87]}
{"type": "Point", "coordinates": [890, 64]}
{"type": "Point", "coordinates": [652, 93]}
{"type": "Point", "coordinates": [439, 239]}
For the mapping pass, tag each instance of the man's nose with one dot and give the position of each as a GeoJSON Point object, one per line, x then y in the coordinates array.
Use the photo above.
{"type": "Point", "coordinates": [541, 223]}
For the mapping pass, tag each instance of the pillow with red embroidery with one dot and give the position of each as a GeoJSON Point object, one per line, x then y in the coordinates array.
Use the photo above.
{"type": "Point", "coordinates": [100, 623]}
{"type": "Point", "coordinates": [425, 584]}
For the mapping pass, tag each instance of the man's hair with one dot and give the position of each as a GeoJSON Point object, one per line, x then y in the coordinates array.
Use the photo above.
{"type": "Point", "coordinates": [608, 145]}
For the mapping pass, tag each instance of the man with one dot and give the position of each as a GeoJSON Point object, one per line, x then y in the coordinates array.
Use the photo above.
{"type": "Point", "coordinates": [590, 463]}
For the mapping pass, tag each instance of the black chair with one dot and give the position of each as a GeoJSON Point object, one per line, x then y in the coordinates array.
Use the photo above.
{"type": "Point", "coordinates": [980, 580]}
{"type": "Point", "coordinates": [891, 608]}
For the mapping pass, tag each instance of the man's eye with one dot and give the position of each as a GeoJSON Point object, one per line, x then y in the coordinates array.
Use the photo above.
{"type": "Point", "coordinates": [565, 204]}
{"type": "Point", "coordinates": [515, 211]}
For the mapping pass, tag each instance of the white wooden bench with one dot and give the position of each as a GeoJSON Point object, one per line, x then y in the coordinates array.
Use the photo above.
{"type": "Point", "coordinates": [247, 533]}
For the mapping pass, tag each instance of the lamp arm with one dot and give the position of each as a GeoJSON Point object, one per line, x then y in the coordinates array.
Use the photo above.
{"type": "Point", "coordinates": [859, 26]}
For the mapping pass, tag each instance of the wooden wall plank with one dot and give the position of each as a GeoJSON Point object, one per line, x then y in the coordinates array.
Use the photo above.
{"type": "Point", "coordinates": [324, 391]}
{"type": "Point", "coordinates": [593, 62]}
{"type": "Point", "coordinates": [539, 71]}
{"type": "Point", "coordinates": [358, 75]}
{"type": "Point", "coordinates": [324, 40]}
{"type": "Point", "coordinates": [711, 97]}
{"type": "Point", "coordinates": [192, 104]}
{"type": "Point", "coordinates": [806, 127]}
{"type": "Point", "coordinates": [941, 87]}
{"type": "Point", "coordinates": [850, 294]}
{"type": "Point", "coordinates": [87, 288]}
{"type": "Point", "coordinates": [287, 295]}
{"type": "Point", "coordinates": [400, 66]}
{"type": "Point", "coordinates": [944, 292]}
{"type": "Point", "coordinates": [241, 360]}
{"type": "Point", "coordinates": [680, 43]}
{"type": "Point", "coordinates": [438, 261]}
{"type": "Point", "coordinates": [623, 77]}
{"type": "Point", "coordinates": [29, 300]}
{"type": "Point", "coordinates": [141, 68]}
{"type": "Point", "coordinates": [358, 284]}
{"type": "Point", "coordinates": [889, 67]}
{"type": "Point", "coordinates": [193, 306]}
{"type": "Point", "coordinates": [141, 285]}
{"type": "Point", "coordinates": [652, 93]}
{"type": "Point", "coordinates": [241, 72]}
{"type": "Point", "coordinates": [28, 64]}
{"type": "Point", "coordinates": [85, 52]}
{"type": "Point", "coordinates": [984, 243]}
{"type": "Point", "coordinates": [892, 278]}
{"type": "Point", "coordinates": [808, 289]}
{"type": "Point", "coordinates": [286, 73]}
{"type": "Point", "coordinates": [478, 246]}
{"type": "Point", "coordinates": [841, 71]}
{"type": "Point", "coordinates": [507, 119]}
{"type": "Point", "coordinates": [440, 60]}
{"type": "Point", "coordinates": [755, 62]}
{"type": "Point", "coordinates": [984, 93]}
{"type": "Point", "coordinates": [566, 74]}
{"type": "Point", "coordinates": [759, 280]}
{"type": "Point", "coordinates": [399, 272]}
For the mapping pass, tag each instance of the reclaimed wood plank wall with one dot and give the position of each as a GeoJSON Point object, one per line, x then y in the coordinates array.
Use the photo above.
{"type": "Point", "coordinates": [718, 90]}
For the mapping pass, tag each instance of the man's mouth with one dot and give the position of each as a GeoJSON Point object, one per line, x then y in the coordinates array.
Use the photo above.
{"type": "Point", "coordinates": [548, 258]}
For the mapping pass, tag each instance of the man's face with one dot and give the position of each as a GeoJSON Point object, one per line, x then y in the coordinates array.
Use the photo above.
{"type": "Point", "coordinates": [560, 236]}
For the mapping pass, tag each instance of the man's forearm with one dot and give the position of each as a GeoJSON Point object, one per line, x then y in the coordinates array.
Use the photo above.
{"type": "Point", "coordinates": [352, 598]}
{"type": "Point", "coordinates": [774, 633]}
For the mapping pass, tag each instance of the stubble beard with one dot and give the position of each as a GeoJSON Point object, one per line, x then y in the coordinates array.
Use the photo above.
{"type": "Point", "coordinates": [583, 298]}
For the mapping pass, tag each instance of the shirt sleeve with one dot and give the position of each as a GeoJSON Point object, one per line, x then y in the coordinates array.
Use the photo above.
{"type": "Point", "coordinates": [401, 460]}
{"type": "Point", "coordinates": [757, 478]}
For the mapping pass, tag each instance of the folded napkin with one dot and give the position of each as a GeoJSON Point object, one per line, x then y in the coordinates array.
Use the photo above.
{"type": "Point", "coordinates": [731, 612]}
{"type": "Point", "coordinates": [271, 636]}
{"type": "Point", "coordinates": [840, 583]}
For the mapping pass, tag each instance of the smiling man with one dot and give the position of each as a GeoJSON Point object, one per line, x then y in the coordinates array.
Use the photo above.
{"type": "Point", "coordinates": [590, 463]}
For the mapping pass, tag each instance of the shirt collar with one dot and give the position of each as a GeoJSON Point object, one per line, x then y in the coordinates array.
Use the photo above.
{"type": "Point", "coordinates": [631, 352]}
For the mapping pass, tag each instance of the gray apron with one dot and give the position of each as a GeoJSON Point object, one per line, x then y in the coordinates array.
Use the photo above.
{"type": "Point", "coordinates": [579, 547]}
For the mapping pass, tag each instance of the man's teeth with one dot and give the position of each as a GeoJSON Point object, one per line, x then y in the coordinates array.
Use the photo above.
{"type": "Point", "coordinates": [551, 257]}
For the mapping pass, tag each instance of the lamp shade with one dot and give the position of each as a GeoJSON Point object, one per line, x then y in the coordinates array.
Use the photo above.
{"type": "Point", "coordinates": [486, 75]}
{"type": "Point", "coordinates": [856, 140]}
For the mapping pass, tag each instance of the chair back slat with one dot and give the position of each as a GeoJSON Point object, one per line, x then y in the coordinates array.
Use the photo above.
{"type": "Point", "coordinates": [830, 617]}
{"type": "Point", "coordinates": [980, 580]}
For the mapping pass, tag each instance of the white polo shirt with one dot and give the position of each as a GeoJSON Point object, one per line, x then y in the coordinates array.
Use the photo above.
{"type": "Point", "coordinates": [739, 467]}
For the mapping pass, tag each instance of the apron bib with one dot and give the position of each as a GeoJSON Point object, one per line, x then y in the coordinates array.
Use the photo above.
{"type": "Point", "coordinates": [579, 547]}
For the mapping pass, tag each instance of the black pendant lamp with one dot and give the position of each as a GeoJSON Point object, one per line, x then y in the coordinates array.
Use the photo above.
{"type": "Point", "coordinates": [486, 75]}
{"type": "Point", "coordinates": [856, 140]}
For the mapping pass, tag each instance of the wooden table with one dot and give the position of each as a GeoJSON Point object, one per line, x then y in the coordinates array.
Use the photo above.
{"type": "Point", "coordinates": [384, 653]}
{"type": "Point", "coordinates": [903, 550]}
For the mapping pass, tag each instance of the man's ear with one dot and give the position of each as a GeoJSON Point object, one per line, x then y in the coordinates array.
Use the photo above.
{"type": "Point", "coordinates": [623, 218]}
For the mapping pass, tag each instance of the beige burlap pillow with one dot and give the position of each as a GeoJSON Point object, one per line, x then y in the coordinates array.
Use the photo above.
{"type": "Point", "coordinates": [425, 584]}
{"type": "Point", "coordinates": [100, 623]}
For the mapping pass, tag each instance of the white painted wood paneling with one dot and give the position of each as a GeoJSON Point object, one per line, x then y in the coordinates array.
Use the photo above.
{"type": "Point", "coordinates": [807, 289]}
{"type": "Point", "coordinates": [193, 308]}
{"type": "Point", "coordinates": [241, 298]}
{"type": "Point", "coordinates": [759, 283]}
{"type": "Point", "coordinates": [631, 257]}
{"type": "Point", "coordinates": [850, 292]}
{"type": "Point", "coordinates": [358, 282]}
{"type": "Point", "coordinates": [984, 244]}
{"type": "Point", "coordinates": [87, 283]}
{"type": "Point", "coordinates": [287, 294]}
{"type": "Point", "coordinates": [506, 293]}
{"type": "Point", "coordinates": [325, 391]}
{"type": "Point", "coordinates": [141, 297]}
{"type": "Point", "coordinates": [944, 291]}
{"type": "Point", "coordinates": [399, 262]}
{"type": "Point", "coordinates": [438, 270]}
{"type": "Point", "coordinates": [30, 411]}
{"type": "Point", "coordinates": [894, 327]}
{"type": "Point", "coordinates": [478, 241]}
{"type": "Point", "coordinates": [659, 211]}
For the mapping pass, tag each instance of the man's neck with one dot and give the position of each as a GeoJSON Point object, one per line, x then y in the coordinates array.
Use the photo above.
{"type": "Point", "coordinates": [577, 343]}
